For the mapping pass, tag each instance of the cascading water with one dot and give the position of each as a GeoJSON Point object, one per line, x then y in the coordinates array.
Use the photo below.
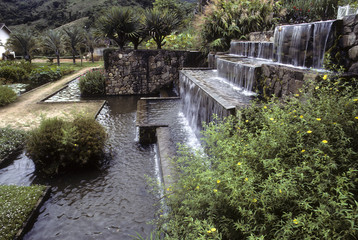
{"type": "Point", "coordinates": [237, 73]}
{"type": "Point", "coordinates": [252, 49]}
{"type": "Point", "coordinates": [198, 106]}
{"type": "Point", "coordinates": [302, 45]}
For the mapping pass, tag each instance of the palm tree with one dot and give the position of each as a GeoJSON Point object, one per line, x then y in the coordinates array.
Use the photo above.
{"type": "Point", "coordinates": [22, 41]}
{"type": "Point", "coordinates": [118, 24]}
{"type": "Point", "coordinates": [53, 40]}
{"type": "Point", "coordinates": [159, 24]}
{"type": "Point", "coordinates": [74, 40]}
{"type": "Point", "coordinates": [90, 42]}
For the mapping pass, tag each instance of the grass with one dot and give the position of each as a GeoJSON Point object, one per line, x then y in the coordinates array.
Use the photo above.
{"type": "Point", "coordinates": [70, 65]}
{"type": "Point", "coordinates": [16, 205]}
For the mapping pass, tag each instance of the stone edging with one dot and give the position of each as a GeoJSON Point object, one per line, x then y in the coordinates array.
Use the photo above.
{"type": "Point", "coordinates": [27, 225]}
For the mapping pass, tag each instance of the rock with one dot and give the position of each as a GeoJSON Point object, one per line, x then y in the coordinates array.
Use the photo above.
{"type": "Point", "coordinates": [348, 40]}
{"type": "Point", "coordinates": [353, 53]}
{"type": "Point", "coordinates": [354, 68]}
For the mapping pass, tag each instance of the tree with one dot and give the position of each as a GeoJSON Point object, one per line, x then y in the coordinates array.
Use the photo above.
{"type": "Point", "coordinates": [23, 41]}
{"type": "Point", "coordinates": [118, 24]}
{"type": "Point", "coordinates": [159, 24]}
{"type": "Point", "coordinates": [53, 40]}
{"type": "Point", "coordinates": [90, 42]}
{"type": "Point", "coordinates": [74, 40]}
{"type": "Point", "coordinates": [140, 34]}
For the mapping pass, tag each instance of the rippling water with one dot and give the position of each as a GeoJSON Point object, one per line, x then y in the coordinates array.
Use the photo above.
{"type": "Point", "coordinates": [111, 203]}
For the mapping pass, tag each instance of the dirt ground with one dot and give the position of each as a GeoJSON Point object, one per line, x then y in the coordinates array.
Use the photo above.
{"type": "Point", "coordinates": [26, 112]}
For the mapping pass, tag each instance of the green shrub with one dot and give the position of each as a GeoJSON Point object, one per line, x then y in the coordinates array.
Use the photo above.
{"type": "Point", "coordinates": [93, 83]}
{"type": "Point", "coordinates": [274, 172]}
{"type": "Point", "coordinates": [7, 95]}
{"type": "Point", "coordinates": [57, 146]}
{"type": "Point", "coordinates": [224, 20]}
{"type": "Point", "coordinates": [298, 11]}
{"type": "Point", "coordinates": [175, 41]}
{"type": "Point", "coordinates": [16, 205]}
{"type": "Point", "coordinates": [44, 74]}
{"type": "Point", "coordinates": [13, 74]}
{"type": "Point", "coordinates": [10, 141]}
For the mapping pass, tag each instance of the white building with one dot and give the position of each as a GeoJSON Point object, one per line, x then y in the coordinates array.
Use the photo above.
{"type": "Point", "coordinates": [4, 36]}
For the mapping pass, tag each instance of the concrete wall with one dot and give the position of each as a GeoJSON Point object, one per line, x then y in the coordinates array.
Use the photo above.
{"type": "Point", "coordinates": [4, 36]}
{"type": "Point", "coordinates": [145, 71]}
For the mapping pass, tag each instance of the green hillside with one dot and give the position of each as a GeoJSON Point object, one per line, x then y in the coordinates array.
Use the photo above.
{"type": "Point", "coordinates": [42, 14]}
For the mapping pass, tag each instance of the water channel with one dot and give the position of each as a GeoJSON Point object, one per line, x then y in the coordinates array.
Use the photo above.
{"type": "Point", "coordinates": [115, 202]}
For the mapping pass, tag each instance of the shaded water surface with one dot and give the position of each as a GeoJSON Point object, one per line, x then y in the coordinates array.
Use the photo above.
{"type": "Point", "coordinates": [111, 203]}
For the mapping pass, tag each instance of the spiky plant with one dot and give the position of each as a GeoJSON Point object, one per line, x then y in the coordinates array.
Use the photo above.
{"type": "Point", "coordinates": [118, 24]}
{"type": "Point", "coordinates": [53, 40]}
{"type": "Point", "coordinates": [160, 24]}
{"type": "Point", "coordinates": [74, 40]}
{"type": "Point", "coordinates": [23, 41]}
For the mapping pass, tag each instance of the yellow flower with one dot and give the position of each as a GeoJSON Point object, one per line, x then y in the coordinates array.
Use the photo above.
{"type": "Point", "coordinates": [356, 117]}
{"type": "Point", "coordinates": [168, 189]}
{"type": "Point", "coordinates": [318, 119]}
{"type": "Point", "coordinates": [355, 100]}
{"type": "Point", "coordinates": [218, 181]}
{"type": "Point", "coordinates": [239, 163]}
{"type": "Point", "coordinates": [294, 110]}
{"type": "Point", "coordinates": [309, 131]}
{"type": "Point", "coordinates": [334, 123]}
{"type": "Point", "coordinates": [303, 150]}
{"type": "Point", "coordinates": [209, 231]}
{"type": "Point", "coordinates": [271, 119]}
{"type": "Point", "coordinates": [246, 179]}
{"type": "Point", "coordinates": [197, 187]}
{"type": "Point", "coordinates": [213, 229]}
{"type": "Point", "coordinates": [301, 116]}
{"type": "Point", "coordinates": [247, 121]}
{"type": "Point", "coordinates": [215, 190]}
{"type": "Point", "coordinates": [325, 141]}
{"type": "Point", "coordinates": [295, 221]}
{"type": "Point", "coordinates": [325, 77]}
{"type": "Point", "coordinates": [254, 200]}
{"type": "Point", "coordinates": [297, 95]}
{"type": "Point", "coordinates": [265, 107]}
{"type": "Point", "coordinates": [298, 131]}
{"type": "Point", "coordinates": [316, 87]}
{"type": "Point", "coordinates": [280, 190]}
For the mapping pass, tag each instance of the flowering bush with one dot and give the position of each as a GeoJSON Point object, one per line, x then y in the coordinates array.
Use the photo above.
{"type": "Point", "coordinates": [57, 146]}
{"type": "Point", "coordinates": [273, 172]}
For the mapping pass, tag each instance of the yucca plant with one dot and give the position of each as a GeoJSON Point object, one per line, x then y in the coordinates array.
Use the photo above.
{"type": "Point", "coordinates": [53, 40]}
{"type": "Point", "coordinates": [160, 24]}
{"type": "Point", "coordinates": [23, 41]}
{"type": "Point", "coordinates": [118, 24]}
{"type": "Point", "coordinates": [74, 40]}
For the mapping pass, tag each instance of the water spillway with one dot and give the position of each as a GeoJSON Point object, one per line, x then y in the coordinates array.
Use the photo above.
{"type": "Point", "coordinates": [262, 50]}
{"type": "Point", "coordinates": [302, 45]}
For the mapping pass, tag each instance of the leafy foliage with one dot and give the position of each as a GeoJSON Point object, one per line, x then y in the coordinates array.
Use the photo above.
{"type": "Point", "coordinates": [74, 40]}
{"type": "Point", "coordinates": [57, 146]}
{"type": "Point", "coordinates": [119, 24]}
{"type": "Point", "coordinates": [22, 42]}
{"type": "Point", "coordinates": [159, 24]}
{"type": "Point", "coordinates": [53, 41]}
{"type": "Point", "coordinates": [274, 172]}
{"type": "Point", "coordinates": [44, 74]}
{"type": "Point", "coordinates": [16, 204]}
{"type": "Point", "coordinates": [298, 11]}
{"type": "Point", "coordinates": [15, 71]}
{"type": "Point", "coordinates": [10, 141]}
{"type": "Point", "coordinates": [183, 40]}
{"type": "Point", "coordinates": [224, 20]}
{"type": "Point", "coordinates": [7, 95]}
{"type": "Point", "coordinates": [93, 83]}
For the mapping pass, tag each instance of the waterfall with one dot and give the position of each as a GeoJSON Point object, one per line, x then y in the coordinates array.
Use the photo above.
{"type": "Point", "coordinates": [240, 74]}
{"type": "Point", "coordinates": [252, 49]}
{"type": "Point", "coordinates": [302, 45]}
{"type": "Point", "coordinates": [346, 10]}
{"type": "Point", "coordinates": [198, 105]}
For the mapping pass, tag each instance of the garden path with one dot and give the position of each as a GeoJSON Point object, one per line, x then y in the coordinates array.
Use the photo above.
{"type": "Point", "coordinates": [26, 112]}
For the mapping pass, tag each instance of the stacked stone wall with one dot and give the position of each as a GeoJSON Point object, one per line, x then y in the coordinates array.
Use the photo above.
{"type": "Point", "coordinates": [145, 71]}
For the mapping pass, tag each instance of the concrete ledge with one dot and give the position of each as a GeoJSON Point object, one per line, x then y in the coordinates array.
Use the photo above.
{"type": "Point", "coordinates": [27, 225]}
{"type": "Point", "coordinates": [166, 151]}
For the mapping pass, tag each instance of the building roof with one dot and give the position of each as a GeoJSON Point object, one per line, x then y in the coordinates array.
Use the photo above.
{"type": "Point", "coordinates": [3, 26]}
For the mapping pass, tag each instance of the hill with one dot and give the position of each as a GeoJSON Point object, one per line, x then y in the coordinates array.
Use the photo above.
{"type": "Point", "coordinates": [43, 14]}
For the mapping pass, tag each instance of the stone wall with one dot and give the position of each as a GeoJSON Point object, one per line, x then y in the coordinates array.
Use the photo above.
{"type": "Point", "coordinates": [283, 81]}
{"type": "Point", "coordinates": [145, 71]}
{"type": "Point", "coordinates": [348, 44]}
